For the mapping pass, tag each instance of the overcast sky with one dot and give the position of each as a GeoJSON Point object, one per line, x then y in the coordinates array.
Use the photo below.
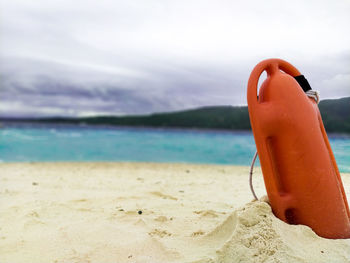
{"type": "Point", "coordinates": [81, 57]}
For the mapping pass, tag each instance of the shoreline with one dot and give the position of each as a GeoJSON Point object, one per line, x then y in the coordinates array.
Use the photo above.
{"type": "Point", "coordinates": [136, 163]}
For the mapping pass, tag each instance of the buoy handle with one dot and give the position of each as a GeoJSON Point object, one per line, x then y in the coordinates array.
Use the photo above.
{"type": "Point", "coordinates": [271, 66]}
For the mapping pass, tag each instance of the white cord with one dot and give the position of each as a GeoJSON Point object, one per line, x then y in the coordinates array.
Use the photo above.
{"type": "Point", "coordinates": [313, 94]}
{"type": "Point", "coordinates": [251, 175]}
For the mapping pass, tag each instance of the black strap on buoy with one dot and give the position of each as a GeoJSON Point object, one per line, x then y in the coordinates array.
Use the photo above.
{"type": "Point", "coordinates": [304, 84]}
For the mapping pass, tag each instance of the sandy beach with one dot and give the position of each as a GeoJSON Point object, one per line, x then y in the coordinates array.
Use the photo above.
{"type": "Point", "coordinates": [143, 212]}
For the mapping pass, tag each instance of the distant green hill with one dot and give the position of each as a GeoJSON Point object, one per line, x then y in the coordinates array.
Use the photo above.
{"type": "Point", "coordinates": [335, 114]}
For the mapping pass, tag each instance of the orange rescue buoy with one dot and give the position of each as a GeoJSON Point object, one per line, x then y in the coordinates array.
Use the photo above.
{"type": "Point", "coordinates": [300, 173]}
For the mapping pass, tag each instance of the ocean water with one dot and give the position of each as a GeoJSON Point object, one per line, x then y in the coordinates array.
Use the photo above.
{"type": "Point", "coordinates": [24, 143]}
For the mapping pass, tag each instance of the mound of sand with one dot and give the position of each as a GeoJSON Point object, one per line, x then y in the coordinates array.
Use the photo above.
{"type": "Point", "coordinates": [134, 212]}
{"type": "Point", "coordinates": [254, 234]}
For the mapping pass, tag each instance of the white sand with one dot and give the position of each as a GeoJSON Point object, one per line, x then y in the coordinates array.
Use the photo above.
{"type": "Point", "coordinates": [88, 212]}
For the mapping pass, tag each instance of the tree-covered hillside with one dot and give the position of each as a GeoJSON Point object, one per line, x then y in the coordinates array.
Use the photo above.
{"type": "Point", "coordinates": [335, 114]}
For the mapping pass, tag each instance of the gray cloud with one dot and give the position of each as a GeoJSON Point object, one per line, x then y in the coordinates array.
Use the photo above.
{"type": "Point", "coordinates": [123, 57]}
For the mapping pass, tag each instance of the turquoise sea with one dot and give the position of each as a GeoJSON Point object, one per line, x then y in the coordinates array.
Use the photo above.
{"type": "Point", "coordinates": [25, 143]}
